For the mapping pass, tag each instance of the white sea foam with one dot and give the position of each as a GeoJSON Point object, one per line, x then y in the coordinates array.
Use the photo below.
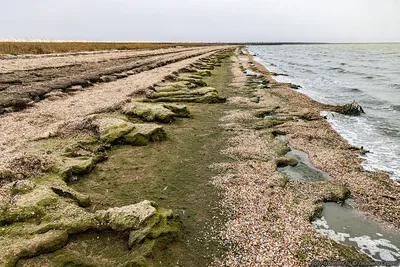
{"type": "Point", "coordinates": [322, 226]}
{"type": "Point", "coordinates": [383, 150]}
{"type": "Point", "coordinates": [314, 68]}
{"type": "Point", "coordinates": [379, 249]}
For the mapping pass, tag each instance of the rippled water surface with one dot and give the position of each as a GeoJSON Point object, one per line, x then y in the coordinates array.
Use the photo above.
{"type": "Point", "coordinates": [339, 74]}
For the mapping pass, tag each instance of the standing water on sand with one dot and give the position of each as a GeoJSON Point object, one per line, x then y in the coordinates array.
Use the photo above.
{"type": "Point", "coordinates": [346, 225]}
{"type": "Point", "coordinates": [339, 74]}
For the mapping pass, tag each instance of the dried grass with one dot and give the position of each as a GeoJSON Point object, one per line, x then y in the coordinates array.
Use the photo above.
{"type": "Point", "coordinates": [18, 48]}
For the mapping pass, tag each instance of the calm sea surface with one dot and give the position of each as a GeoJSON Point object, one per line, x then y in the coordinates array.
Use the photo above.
{"type": "Point", "coordinates": [339, 74]}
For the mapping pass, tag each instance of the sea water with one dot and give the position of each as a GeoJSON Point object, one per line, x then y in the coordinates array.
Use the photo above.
{"type": "Point", "coordinates": [341, 73]}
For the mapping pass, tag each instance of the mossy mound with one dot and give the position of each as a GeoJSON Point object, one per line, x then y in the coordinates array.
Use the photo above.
{"type": "Point", "coordinates": [309, 114]}
{"type": "Point", "coordinates": [338, 192]}
{"type": "Point", "coordinates": [74, 156]}
{"type": "Point", "coordinates": [323, 191]}
{"type": "Point", "coordinates": [286, 161]}
{"type": "Point", "coordinates": [116, 132]}
{"type": "Point", "coordinates": [22, 187]}
{"type": "Point", "coordinates": [70, 166]}
{"type": "Point", "coordinates": [163, 228]}
{"type": "Point", "coordinates": [203, 73]}
{"type": "Point", "coordinates": [188, 85]}
{"type": "Point", "coordinates": [194, 76]}
{"type": "Point", "coordinates": [176, 93]}
{"type": "Point", "coordinates": [200, 95]}
{"type": "Point", "coordinates": [149, 112]}
{"type": "Point", "coordinates": [149, 226]}
{"type": "Point", "coordinates": [193, 79]}
{"type": "Point", "coordinates": [29, 246]}
{"type": "Point", "coordinates": [174, 86]}
{"type": "Point", "coordinates": [184, 93]}
{"type": "Point", "coordinates": [27, 205]}
{"type": "Point", "coordinates": [179, 110]}
{"type": "Point", "coordinates": [64, 191]}
{"type": "Point", "coordinates": [127, 217]}
{"type": "Point", "coordinates": [144, 133]}
{"type": "Point", "coordinates": [80, 148]}
{"type": "Point", "coordinates": [206, 67]}
{"type": "Point", "coordinates": [43, 208]}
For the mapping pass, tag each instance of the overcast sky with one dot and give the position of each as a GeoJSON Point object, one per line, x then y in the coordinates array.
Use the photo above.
{"type": "Point", "coordinates": [202, 20]}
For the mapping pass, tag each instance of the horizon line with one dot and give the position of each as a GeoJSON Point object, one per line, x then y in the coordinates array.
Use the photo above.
{"type": "Point", "coordinates": [193, 42]}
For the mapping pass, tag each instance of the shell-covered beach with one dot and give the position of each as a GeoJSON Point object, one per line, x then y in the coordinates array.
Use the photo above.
{"type": "Point", "coordinates": [172, 157]}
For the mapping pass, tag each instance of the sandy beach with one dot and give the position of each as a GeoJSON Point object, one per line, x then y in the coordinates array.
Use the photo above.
{"type": "Point", "coordinates": [170, 157]}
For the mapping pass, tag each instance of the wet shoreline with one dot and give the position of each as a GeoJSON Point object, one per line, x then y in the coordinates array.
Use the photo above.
{"type": "Point", "coordinates": [338, 74]}
{"type": "Point", "coordinates": [341, 221]}
{"type": "Point", "coordinates": [380, 249]}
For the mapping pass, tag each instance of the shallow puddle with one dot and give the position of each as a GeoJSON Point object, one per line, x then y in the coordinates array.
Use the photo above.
{"type": "Point", "coordinates": [304, 171]}
{"type": "Point", "coordinates": [346, 225]}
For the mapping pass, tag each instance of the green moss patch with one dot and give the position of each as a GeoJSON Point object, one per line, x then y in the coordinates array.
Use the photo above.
{"type": "Point", "coordinates": [208, 95]}
{"type": "Point", "coordinates": [286, 161]}
{"type": "Point", "coordinates": [30, 246]}
{"type": "Point", "coordinates": [149, 112]}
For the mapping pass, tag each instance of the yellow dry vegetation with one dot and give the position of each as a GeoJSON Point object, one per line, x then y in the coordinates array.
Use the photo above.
{"type": "Point", "coordinates": [17, 48]}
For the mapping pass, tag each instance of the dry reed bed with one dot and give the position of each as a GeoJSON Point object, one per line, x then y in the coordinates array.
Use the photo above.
{"type": "Point", "coordinates": [17, 48]}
